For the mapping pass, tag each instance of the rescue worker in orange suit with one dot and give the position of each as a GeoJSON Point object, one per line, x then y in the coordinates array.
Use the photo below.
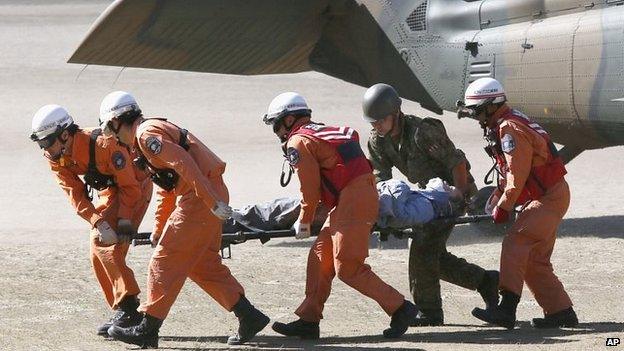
{"type": "Point", "coordinates": [532, 177]}
{"type": "Point", "coordinates": [122, 201]}
{"type": "Point", "coordinates": [192, 204]}
{"type": "Point", "coordinates": [333, 169]}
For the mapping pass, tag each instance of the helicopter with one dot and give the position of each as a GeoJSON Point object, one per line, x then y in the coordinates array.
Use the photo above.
{"type": "Point", "coordinates": [560, 61]}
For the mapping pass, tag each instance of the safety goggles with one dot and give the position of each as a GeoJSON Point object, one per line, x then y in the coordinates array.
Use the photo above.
{"type": "Point", "coordinates": [110, 130]}
{"type": "Point", "coordinates": [46, 142]}
{"type": "Point", "coordinates": [275, 122]}
{"type": "Point", "coordinates": [464, 111]}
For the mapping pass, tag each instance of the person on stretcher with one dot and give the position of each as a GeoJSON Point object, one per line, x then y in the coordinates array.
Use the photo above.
{"type": "Point", "coordinates": [399, 207]}
{"type": "Point", "coordinates": [402, 207]}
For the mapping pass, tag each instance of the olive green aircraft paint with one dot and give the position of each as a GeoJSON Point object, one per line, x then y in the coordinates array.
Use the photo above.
{"type": "Point", "coordinates": [560, 61]}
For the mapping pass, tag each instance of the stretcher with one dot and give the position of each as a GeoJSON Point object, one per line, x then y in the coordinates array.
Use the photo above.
{"type": "Point", "coordinates": [241, 236]}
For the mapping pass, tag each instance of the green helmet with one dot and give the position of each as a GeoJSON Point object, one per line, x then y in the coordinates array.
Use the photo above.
{"type": "Point", "coordinates": [379, 101]}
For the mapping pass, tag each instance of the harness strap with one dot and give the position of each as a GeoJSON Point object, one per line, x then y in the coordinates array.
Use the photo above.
{"type": "Point", "coordinates": [165, 178]}
{"type": "Point", "coordinates": [92, 139]}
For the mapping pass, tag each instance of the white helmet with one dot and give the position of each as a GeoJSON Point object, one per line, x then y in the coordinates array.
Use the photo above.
{"type": "Point", "coordinates": [116, 104]}
{"type": "Point", "coordinates": [285, 104]}
{"type": "Point", "coordinates": [484, 90]}
{"type": "Point", "coordinates": [50, 121]}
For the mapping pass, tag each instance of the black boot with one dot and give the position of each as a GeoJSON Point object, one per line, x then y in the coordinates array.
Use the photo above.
{"type": "Point", "coordinates": [250, 320]}
{"type": "Point", "coordinates": [300, 328]}
{"type": "Point", "coordinates": [428, 318]}
{"type": "Point", "coordinates": [504, 314]}
{"type": "Point", "coordinates": [401, 320]}
{"type": "Point", "coordinates": [489, 289]}
{"type": "Point", "coordinates": [125, 315]}
{"type": "Point", "coordinates": [145, 334]}
{"type": "Point", "coordinates": [565, 318]}
{"type": "Point", "coordinates": [103, 329]}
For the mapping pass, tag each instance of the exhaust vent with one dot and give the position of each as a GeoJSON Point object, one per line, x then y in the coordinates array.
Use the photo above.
{"type": "Point", "coordinates": [480, 69]}
{"type": "Point", "coordinates": [417, 20]}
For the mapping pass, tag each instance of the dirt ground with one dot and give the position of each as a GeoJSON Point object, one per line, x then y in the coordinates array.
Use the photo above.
{"type": "Point", "coordinates": [49, 299]}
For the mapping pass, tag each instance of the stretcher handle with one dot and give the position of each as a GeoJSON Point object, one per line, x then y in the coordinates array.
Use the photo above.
{"type": "Point", "coordinates": [229, 238]}
{"type": "Point", "coordinates": [462, 219]}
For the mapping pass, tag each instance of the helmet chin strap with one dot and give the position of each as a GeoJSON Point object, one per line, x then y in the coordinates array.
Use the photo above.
{"type": "Point", "coordinates": [484, 109]}
{"type": "Point", "coordinates": [285, 178]}
{"type": "Point", "coordinates": [114, 130]}
{"type": "Point", "coordinates": [284, 138]}
{"type": "Point", "coordinates": [61, 152]}
{"type": "Point", "coordinates": [57, 156]}
{"type": "Point", "coordinates": [484, 122]}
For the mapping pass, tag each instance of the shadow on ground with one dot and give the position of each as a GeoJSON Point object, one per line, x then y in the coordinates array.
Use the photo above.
{"type": "Point", "coordinates": [602, 227]}
{"type": "Point", "coordinates": [524, 334]}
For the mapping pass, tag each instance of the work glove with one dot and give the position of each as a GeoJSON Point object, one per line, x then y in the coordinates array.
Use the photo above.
{"type": "Point", "coordinates": [491, 202]}
{"type": "Point", "coordinates": [302, 230]}
{"type": "Point", "coordinates": [471, 204]}
{"type": "Point", "coordinates": [125, 230]}
{"type": "Point", "coordinates": [154, 238]}
{"type": "Point", "coordinates": [106, 234]}
{"type": "Point", "coordinates": [222, 210]}
{"type": "Point", "coordinates": [499, 215]}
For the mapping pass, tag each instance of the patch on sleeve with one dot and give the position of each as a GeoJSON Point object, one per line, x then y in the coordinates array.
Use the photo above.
{"type": "Point", "coordinates": [508, 143]}
{"type": "Point", "coordinates": [119, 161]}
{"type": "Point", "coordinates": [153, 145]}
{"type": "Point", "coordinates": [292, 155]}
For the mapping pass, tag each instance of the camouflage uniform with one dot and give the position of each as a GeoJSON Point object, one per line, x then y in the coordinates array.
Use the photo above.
{"type": "Point", "coordinates": [424, 151]}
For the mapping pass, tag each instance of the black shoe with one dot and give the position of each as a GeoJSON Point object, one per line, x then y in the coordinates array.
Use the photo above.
{"type": "Point", "coordinates": [125, 316]}
{"type": "Point", "coordinates": [250, 319]}
{"type": "Point", "coordinates": [401, 320]}
{"type": "Point", "coordinates": [504, 314]}
{"type": "Point", "coordinates": [145, 334]}
{"type": "Point", "coordinates": [428, 318]}
{"type": "Point", "coordinates": [103, 329]}
{"type": "Point", "coordinates": [495, 316]}
{"type": "Point", "coordinates": [489, 289]}
{"type": "Point", "coordinates": [300, 328]}
{"type": "Point", "coordinates": [566, 318]}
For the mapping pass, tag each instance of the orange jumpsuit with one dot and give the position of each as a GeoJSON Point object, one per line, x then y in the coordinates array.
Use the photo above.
{"type": "Point", "coordinates": [191, 234]}
{"type": "Point", "coordinates": [128, 199]}
{"type": "Point", "coordinates": [528, 245]}
{"type": "Point", "coordinates": [342, 244]}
